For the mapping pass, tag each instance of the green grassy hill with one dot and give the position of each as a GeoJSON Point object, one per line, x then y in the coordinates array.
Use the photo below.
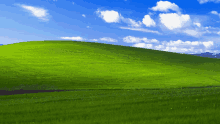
{"type": "Point", "coordinates": [67, 65]}
{"type": "Point", "coordinates": [86, 65]}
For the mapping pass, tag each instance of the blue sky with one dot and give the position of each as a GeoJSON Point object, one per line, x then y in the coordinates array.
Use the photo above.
{"type": "Point", "coordinates": [189, 26]}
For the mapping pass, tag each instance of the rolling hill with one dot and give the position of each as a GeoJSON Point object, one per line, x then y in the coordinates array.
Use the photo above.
{"type": "Point", "coordinates": [107, 84]}
{"type": "Point", "coordinates": [65, 65]}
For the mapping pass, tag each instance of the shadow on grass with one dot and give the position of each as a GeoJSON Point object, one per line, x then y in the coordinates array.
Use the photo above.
{"type": "Point", "coordinates": [32, 89]}
{"type": "Point", "coordinates": [23, 89]}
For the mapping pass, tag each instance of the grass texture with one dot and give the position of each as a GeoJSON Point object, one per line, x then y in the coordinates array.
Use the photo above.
{"type": "Point", "coordinates": [113, 85]}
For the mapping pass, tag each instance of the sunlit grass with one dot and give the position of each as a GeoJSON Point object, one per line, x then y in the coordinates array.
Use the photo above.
{"type": "Point", "coordinates": [122, 79]}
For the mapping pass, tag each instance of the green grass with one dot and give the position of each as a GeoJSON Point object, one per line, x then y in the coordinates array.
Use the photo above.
{"type": "Point", "coordinates": [129, 85]}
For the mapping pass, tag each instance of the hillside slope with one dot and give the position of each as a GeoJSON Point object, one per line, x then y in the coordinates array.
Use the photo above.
{"type": "Point", "coordinates": [86, 65]}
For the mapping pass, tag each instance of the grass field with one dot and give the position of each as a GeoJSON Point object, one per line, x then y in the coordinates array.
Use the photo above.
{"type": "Point", "coordinates": [108, 84]}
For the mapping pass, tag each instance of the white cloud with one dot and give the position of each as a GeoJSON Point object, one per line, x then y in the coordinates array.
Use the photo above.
{"type": "Point", "coordinates": [140, 29]}
{"type": "Point", "coordinates": [108, 39]}
{"type": "Point", "coordinates": [37, 12]}
{"type": "Point", "coordinates": [159, 47]}
{"type": "Point", "coordinates": [83, 15]}
{"type": "Point", "coordinates": [192, 32]}
{"type": "Point", "coordinates": [154, 40]}
{"type": "Point", "coordinates": [139, 45]}
{"type": "Point", "coordinates": [149, 46]}
{"type": "Point", "coordinates": [150, 13]}
{"type": "Point", "coordinates": [148, 21]}
{"type": "Point", "coordinates": [194, 43]}
{"type": "Point", "coordinates": [173, 20]}
{"type": "Point", "coordinates": [201, 31]}
{"type": "Point", "coordinates": [164, 6]}
{"type": "Point", "coordinates": [197, 24]}
{"type": "Point", "coordinates": [214, 12]}
{"type": "Point", "coordinates": [206, 32]}
{"type": "Point", "coordinates": [150, 41]}
{"type": "Point", "coordinates": [109, 16]}
{"type": "Point", "coordinates": [216, 39]}
{"type": "Point", "coordinates": [132, 39]}
{"type": "Point", "coordinates": [208, 44]}
{"type": "Point", "coordinates": [211, 27]}
{"type": "Point", "coordinates": [72, 38]}
{"type": "Point", "coordinates": [93, 39]}
{"type": "Point", "coordinates": [114, 17]}
{"type": "Point", "coordinates": [177, 46]}
{"type": "Point", "coordinates": [87, 26]}
{"type": "Point", "coordinates": [131, 22]}
{"type": "Point", "coordinates": [177, 21]}
{"type": "Point", "coordinates": [205, 1]}
{"type": "Point", "coordinates": [180, 43]}
{"type": "Point", "coordinates": [214, 30]}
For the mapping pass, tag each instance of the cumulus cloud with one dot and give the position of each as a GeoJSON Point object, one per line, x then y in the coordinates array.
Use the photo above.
{"type": "Point", "coordinates": [197, 24]}
{"type": "Point", "coordinates": [83, 15]}
{"type": "Point", "coordinates": [148, 21]}
{"type": "Point", "coordinates": [36, 11]}
{"type": "Point", "coordinates": [159, 47]}
{"type": "Point", "coordinates": [173, 20]}
{"type": "Point", "coordinates": [108, 39]}
{"type": "Point", "coordinates": [214, 12]}
{"type": "Point", "coordinates": [132, 39]}
{"type": "Point", "coordinates": [172, 46]}
{"type": "Point", "coordinates": [164, 6]}
{"type": "Point", "coordinates": [114, 17]}
{"type": "Point", "coordinates": [208, 44]}
{"type": "Point", "coordinates": [149, 46]}
{"type": "Point", "coordinates": [72, 38]}
{"type": "Point", "coordinates": [205, 1]}
{"type": "Point", "coordinates": [140, 29]}
{"type": "Point", "coordinates": [109, 16]}
{"type": "Point", "coordinates": [154, 40]}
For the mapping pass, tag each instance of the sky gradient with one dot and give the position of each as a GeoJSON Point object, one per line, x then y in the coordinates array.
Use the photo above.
{"type": "Point", "coordinates": [189, 26]}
